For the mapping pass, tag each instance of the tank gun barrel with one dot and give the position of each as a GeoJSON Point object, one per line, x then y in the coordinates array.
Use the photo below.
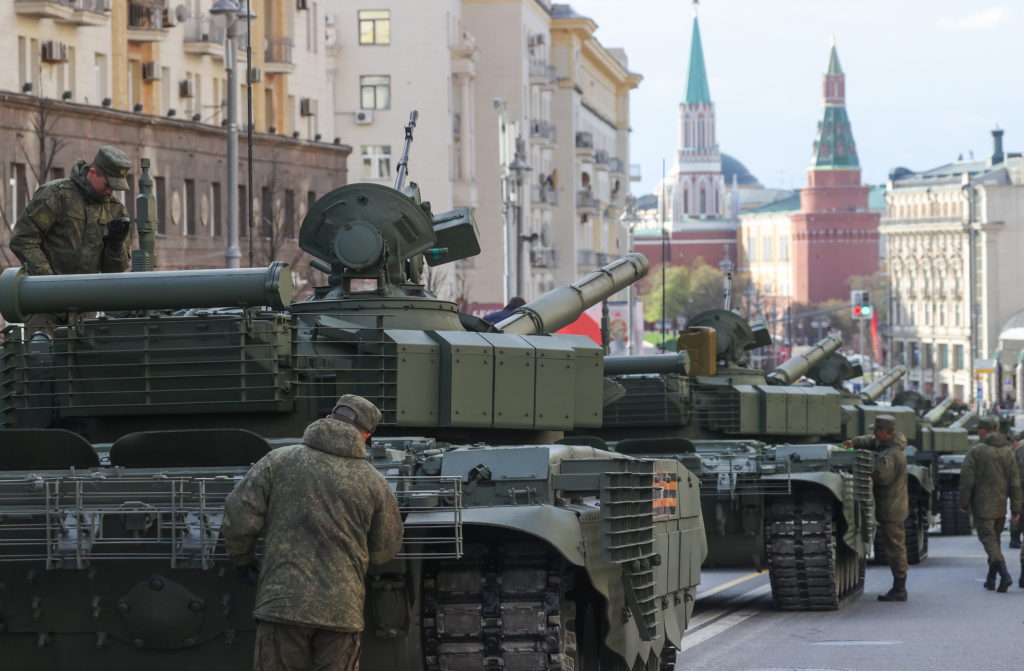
{"type": "Point", "coordinates": [936, 413]}
{"type": "Point", "coordinates": [874, 390]}
{"type": "Point", "coordinates": [664, 364]}
{"type": "Point", "coordinates": [562, 306]}
{"type": "Point", "coordinates": [797, 366]}
{"type": "Point", "coordinates": [22, 294]}
{"type": "Point", "coordinates": [962, 420]}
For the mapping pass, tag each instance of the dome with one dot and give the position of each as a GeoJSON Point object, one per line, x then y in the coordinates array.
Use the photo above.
{"type": "Point", "coordinates": [731, 166]}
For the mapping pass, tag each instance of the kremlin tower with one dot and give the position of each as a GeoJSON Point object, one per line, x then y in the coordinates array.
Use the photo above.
{"type": "Point", "coordinates": [834, 235]}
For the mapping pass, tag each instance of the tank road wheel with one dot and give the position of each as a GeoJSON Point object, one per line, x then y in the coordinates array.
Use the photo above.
{"type": "Point", "coordinates": [954, 522]}
{"type": "Point", "coordinates": [807, 568]}
{"type": "Point", "coordinates": [503, 606]}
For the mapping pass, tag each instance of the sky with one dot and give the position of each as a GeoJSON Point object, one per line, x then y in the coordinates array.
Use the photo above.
{"type": "Point", "coordinates": [926, 80]}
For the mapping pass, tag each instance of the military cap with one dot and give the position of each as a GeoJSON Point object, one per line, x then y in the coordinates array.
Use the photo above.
{"type": "Point", "coordinates": [886, 422]}
{"type": "Point", "coordinates": [357, 411]}
{"type": "Point", "coordinates": [114, 165]}
{"type": "Point", "coordinates": [988, 423]}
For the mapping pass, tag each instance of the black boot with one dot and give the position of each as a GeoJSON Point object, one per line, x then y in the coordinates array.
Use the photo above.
{"type": "Point", "coordinates": [1021, 583]}
{"type": "Point", "coordinates": [990, 581]}
{"type": "Point", "coordinates": [1004, 577]}
{"type": "Point", "coordinates": [898, 591]}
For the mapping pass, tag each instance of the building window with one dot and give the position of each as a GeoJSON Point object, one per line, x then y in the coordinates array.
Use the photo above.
{"type": "Point", "coordinates": [926, 357]}
{"type": "Point", "coordinates": [161, 205]}
{"type": "Point", "coordinates": [310, 201]}
{"type": "Point", "coordinates": [958, 357]}
{"type": "Point", "coordinates": [766, 247]}
{"type": "Point", "coordinates": [374, 26]}
{"type": "Point", "coordinates": [376, 161]}
{"type": "Point", "coordinates": [943, 356]}
{"type": "Point", "coordinates": [190, 207]}
{"type": "Point", "coordinates": [703, 201]}
{"type": "Point", "coordinates": [216, 215]}
{"type": "Point", "coordinates": [267, 213]}
{"type": "Point", "coordinates": [915, 355]}
{"type": "Point", "coordinates": [20, 175]}
{"type": "Point", "coordinates": [375, 92]}
{"type": "Point", "coordinates": [289, 214]}
{"type": "Point", "coordinates": [243, 211]}
{"type": "Point", "coordinates": [783, 248]}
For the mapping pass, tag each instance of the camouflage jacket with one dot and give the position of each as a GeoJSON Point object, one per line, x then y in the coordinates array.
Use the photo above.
{"type": "Point", "coordinates": [988, 476]}
{"type": "Point", "coordinates": [327, 514]}
{"type": "Point", "coordinates": [63, 229]}
{"type": "Point", "coordinates": [1020, 464]}
{"type": "Point", "coordinates": [889, 476]}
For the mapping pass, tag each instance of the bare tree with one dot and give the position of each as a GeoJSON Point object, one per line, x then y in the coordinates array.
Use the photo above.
{"type": "Point", "coordinates": [48, 143]}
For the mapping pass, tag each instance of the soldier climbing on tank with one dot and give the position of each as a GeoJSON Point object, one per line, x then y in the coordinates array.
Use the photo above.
{"type": "Point", "coordinates": [889, 478]}
{"type": "Point", "coordinates": [327, 514]}
{"type": "Point", "coordinates": [989, 475]}
{"type": "Point", "coordinates": [74, 225]}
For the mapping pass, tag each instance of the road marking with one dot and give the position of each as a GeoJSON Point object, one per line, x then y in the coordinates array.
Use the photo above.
{"type": "Point", "coordinates": [726, 585]}
{"type": "Point", "coordinates": [714, 623]}
{"type": "Point", "coordinates": [856, 643]}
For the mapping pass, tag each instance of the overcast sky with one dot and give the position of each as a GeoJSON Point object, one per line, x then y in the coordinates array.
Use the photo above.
{"type": "Point", "coordinates": [926, 80]}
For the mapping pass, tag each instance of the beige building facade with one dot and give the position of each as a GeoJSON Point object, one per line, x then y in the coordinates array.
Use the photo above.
{"type": "Point", "coordinates": [944, 227]}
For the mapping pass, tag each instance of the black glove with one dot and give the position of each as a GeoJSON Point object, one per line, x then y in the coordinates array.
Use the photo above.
{"type": "Point", "coordinates": [117, 231]}
{"type": "Point", "coordinates": [248, 574]}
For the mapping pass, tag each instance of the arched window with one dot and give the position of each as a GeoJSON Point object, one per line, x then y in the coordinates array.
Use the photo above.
{"type": "Point", "coordinates": [687, 132]}
{"type": "Point", "coordinates": [686, 201]}
{"type": "Point", "coordinates": [700, 132]}
{"type": "Point", "coordinates": [703, 201]}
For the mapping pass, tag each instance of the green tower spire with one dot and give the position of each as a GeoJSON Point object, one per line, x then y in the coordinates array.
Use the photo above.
{"type": "Point", "coordinates": [697, 84]}
{"type": "Point", "coordinates": [834, 148]}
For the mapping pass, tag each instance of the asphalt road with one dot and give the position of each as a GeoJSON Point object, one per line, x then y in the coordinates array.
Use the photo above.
{"type": "Point", "coordinates": [949, 622]}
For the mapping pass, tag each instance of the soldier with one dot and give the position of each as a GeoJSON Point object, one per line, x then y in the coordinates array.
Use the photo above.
{"type": "Point", "coordinates": [1019, 452]}
{"type": "Point", "coordinates": [989, 474]}
{"type": "Point", "coordinates": [73, 225]}
{"type": "Point", "coordinates": [327, 514]}
{"type": "Point", "coordinates": [889, 478]}
{"type": "Point", "coordinates": [1015, 527]}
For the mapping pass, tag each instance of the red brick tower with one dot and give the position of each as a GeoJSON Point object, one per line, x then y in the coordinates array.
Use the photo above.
{"type": "Point", "coordinates": [835, 236]}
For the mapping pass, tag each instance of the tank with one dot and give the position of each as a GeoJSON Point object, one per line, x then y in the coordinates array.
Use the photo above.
{"type": "Point", "coordinates": [121, 437]}
{"type": "Point", "coordinates": [775, 493]}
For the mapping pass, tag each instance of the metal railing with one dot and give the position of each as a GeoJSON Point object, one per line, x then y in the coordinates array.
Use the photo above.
{"type": "Point", "coordinates": [278, 50]}
{"type": "Point", "coordinates": [584, 140]}
{"type": "Point", "coordinates": [145, 15]}
{"type": "Point", "coordinates": [615, 164]}
{"type": "Point", "coordinates": [541, 69]}
{"type": "Point", "coordinates": [601, 157]}
{"type": "Point", "coordinates": [585, 200]}
{"type": "Point", "coordinates": [540, 128]}
{"type": "Point", "coordinates": [204, 29]}
{"type": "Point", "coordinates": [94, 6]}
{"type": "Point", "coordinates": [586, 257]}
{"type": "Point", "coordinates": [542, 193]}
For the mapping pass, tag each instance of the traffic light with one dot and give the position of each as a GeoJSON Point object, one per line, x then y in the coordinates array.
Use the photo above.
{"type": "Point", "coordinates": [860, 304]}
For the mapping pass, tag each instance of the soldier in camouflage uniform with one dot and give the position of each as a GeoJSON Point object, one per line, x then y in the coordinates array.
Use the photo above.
{"type": "Point", "coordinates": [327, 514]}
{"type": "Point", "coordinates": [74, 225]}
{"type": "Point", "coordinates": [1019, 453]}
{"type": "Point", "coordinates": [1015, 527]}
{"type": "Point", "coordinates": [889, 479]}
{"type": "Point", "coordinates": [988, 476]}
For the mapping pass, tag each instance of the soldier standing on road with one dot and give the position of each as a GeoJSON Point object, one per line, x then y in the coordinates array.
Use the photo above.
{"type": "Point", "coordinates": [989, 475]}
{"type": "Point", "coordinates": [1019, 452]}
{"type": "Point", "coordinates": [1015, 527]}
{"type": "Point", "coordinates": [889, 478]}
{"type": "Point", "coordinates": [327, 514]}
{"type": "Point", "coordinates": [74, 225]}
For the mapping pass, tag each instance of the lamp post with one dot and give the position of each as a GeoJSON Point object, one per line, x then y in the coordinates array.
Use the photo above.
{"type": "Point", "coordinates": [630, 221]}
{"type": "Point", "coordinates": [519, 167]}
{"type": "Point", "coordinates": [232, 13]}
{"type": "Point", "coordinates": [726, 267]}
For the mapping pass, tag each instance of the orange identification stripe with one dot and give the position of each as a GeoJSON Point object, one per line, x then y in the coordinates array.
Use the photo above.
{"type": "Point", "coordinates": [665, 503]}
{"type": "Point", "coordinates": [674, 485]}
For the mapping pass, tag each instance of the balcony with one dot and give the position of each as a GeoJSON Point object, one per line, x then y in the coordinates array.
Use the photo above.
{"type": "Point", "coordinates": [544, 195]}
{"type": "Point", "coordinates": [634, 172]}
{"type": "Point", "coordinates": [616, 165]}
{"type": "Point", "coordinates": [585, 201]}
{"type": "Point", "coordinates": [603, 259]}
{"type": "Point", "coordinates": [542, 131]}
{"type": "Point", "coordinates": [541, 73]}
{"type": "Point", "coordinates": [58, 10]}
{"type": "Point", "coordinates": [543, 258]}
{"type": "Point", "coordinates": [584, 144]}
{"type": "Point", "coordinates": [90, 12]}
{"type": "Point", "coordinates": [586, 257]}
{"type": "Point", "coordinates": [601, 159]}
{"type": "Point", "coordinates": [277, 57]}
{"type": "Point", "coordinates": [204, 36]}
{"type": "Point", "coordinates": [146, 21]}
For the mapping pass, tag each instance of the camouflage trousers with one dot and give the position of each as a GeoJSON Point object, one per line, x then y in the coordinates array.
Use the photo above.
{"type": "Point", "coordinates": [894, 540]}
{"type": "Point", "coordinates": [988, 534]}
{"type": "Point", "coordinates": [292, 647]}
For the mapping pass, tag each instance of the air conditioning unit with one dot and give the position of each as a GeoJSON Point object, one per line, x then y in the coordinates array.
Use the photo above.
{"type": "Point", "coordinates": [301, 4]}
{"type": "Point", "coordinates": [151, 71]}
{"type": "Point", "coordinates": [255, 75]}
{"type": "Point", "coordinates": [364, 117]}
{"type": "Point", "coordinates": [187, 88]}
{"type": "Point", "coordinates": [329, 19]}
{"type": "Point", "coordinates": [307, 106]}
{"type": "Point", "coordinates": [55, 52]}
{"type": "Point", "coordinates": [170, 17]}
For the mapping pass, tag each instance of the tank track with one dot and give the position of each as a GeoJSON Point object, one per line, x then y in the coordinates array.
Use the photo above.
{"type": "Point", "coordinates": [953, 522]}
{"type": "Point", "coordinates": [807, 568]}
{"type": "Point", "coordinates": [504, 607]}
{"type": "Point", "coordinates": [667, 661]}
{"type": "Point", "coordinates": [916, 531]}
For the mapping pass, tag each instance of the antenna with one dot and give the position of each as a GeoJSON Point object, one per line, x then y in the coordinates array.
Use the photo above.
{"type": "Point", "coordinates": [248, 130]}
{"type": "Point", "coordinates": [403, 164]}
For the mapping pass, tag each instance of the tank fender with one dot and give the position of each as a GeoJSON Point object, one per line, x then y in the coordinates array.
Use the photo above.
{"type": "Point", "coordinates": [559, 527]}
{"type": "Point", "coordinates": [840, 487]}
{"type": "Point", "coordinates": [923, 477]}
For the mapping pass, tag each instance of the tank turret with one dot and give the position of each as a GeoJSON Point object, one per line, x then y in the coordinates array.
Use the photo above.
{"type": "Point", "coordinates": [874, 391]}
{"type": "Point", "coordinates": [934, 416]}
{"type": "Point", "coordinates": [798, 366]}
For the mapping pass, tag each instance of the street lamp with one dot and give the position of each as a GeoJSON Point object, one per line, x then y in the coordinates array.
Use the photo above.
{"type": "Point", "coordinates": [630, 221]}
{"type": "Point", "coordinates": [519, 167]}
{"type": "Point", "coordinates": [726, 267]}
{"type": "Point", "coordinates": [232, 13]}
